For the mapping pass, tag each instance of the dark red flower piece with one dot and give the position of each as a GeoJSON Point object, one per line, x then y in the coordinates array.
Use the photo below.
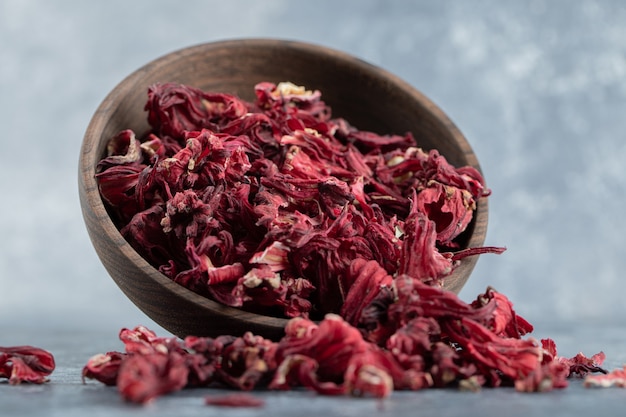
{"type": "Point", "coordinates": [333, 359]}
{"type": "Point", "coordinates": [25, 364]}
{"type": "Point", "coordinates": [262, 287]}
{"type": "Point", "coordinates": [204, 358]}
{"type": "Point", "coordinates": [174, 109]}
{"type": "Point", "coordinates": [417, 299]}
{"type": "Point", "coordinates": [450, 208]}
{"type": "Point", "coordinates": [420, 258]}
{"type": "Point", "coordinates": [143, 377]}
{"type": "Point", "coordinates": [117, 187]}
{"type": "Point", "coordinates": [144, 341]}
{"type": "Point", "coordinates": [578, 365]}
{"type": "Point", "coordinates": [118, 174]}
{"type": "Point", "coordinates": [615, 378]}
{"type": "Point", "coordinates": [364, 281]}
{"type": "Point", "coordinates": [122, 149]}
{"type": "Point", "coordinates": [412, 343]}
{"type": "Point", "coordinates": [503, 321]}
{"type": "Point", "coordinates": [513, 358]}
{"type": "Point", "coordinates": [374, 373]}
{"type": "Point", "coordinates": [546, 377]}
{"type": "Point", "coordinates": [145, 233]}
{"type": "Point", "coordinates": [370, 140]}
{"type": "Point", "coordinates": [104, 367]}
{"type": "Point", "coordinates": [330, 344]}
{"type": "Point", "coordinates": [286, 98]}
{"type": "Point", "coordinates": [246, 362]}
{"type": "Point", "coordinates": [301, 370]}
{"type": "Point", "coordinates": [450, 367]}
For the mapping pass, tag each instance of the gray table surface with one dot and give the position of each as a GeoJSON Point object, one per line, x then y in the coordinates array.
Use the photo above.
{"type": "Point", "coordinates": [537, 86]}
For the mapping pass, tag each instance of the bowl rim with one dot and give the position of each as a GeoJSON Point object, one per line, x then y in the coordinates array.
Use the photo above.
{"type": "Point", "coordinates": [90, 195]}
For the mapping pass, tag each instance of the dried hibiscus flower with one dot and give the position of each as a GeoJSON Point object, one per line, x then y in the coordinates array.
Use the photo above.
{"type": "Point", "coordinates": [25, 364]}
{"type": "Point", "coordinates": [153, 366]}
{"type": "Point", "coordinates": [615, 378]}
{"type": "Point", "coordinates": [266, 205]}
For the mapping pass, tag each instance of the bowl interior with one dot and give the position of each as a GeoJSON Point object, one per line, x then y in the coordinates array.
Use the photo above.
{"type": "Point", "coordinates": [368, 97]}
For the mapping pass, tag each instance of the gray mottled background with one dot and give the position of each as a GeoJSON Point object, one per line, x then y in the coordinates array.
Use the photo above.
{"type": "Point", "coordinates": [538, 87]}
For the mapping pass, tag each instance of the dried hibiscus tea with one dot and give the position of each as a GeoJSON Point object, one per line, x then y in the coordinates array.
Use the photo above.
{"type": "Point", "coordinates": [278, 207]}
{"type": "Point", "coordinates": [234, 400]}
{"type": "Point", "coordinates": [25, 364]}
{"type": "Point", "coordinates": [266, 205]}
{"type": "Point", "coordinates": [151, 366]}
{"type": "Point", "coordinates": [103, 367]}
{"type": "Point", "coordinates": [615, 378]}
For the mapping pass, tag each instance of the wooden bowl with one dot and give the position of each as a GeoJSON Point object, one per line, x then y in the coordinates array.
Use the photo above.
{"type": "Point", "coordinates": [367, 96]}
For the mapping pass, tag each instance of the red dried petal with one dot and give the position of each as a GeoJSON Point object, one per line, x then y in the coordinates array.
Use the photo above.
{"type": "Point", "coordinates": [503, 320]}
{"type": "Point", "coordinates": [466, 177]}
{"type": "Point", "coordinates": [262, 287]}
{"type": "Point", "coordinates": [411, 343]}
{"type": "Point", "coordinates": [118, 174]}
{"type": "Point", "coordinates": [448, 366]}
{"type": "Point", "coordinates": [581, 365]}
{"type": "Point", "coordinates": [145, 234]}
{"type": "Point", "coordinates": [25, 364]}
{"type": "Point", "coordinates": [375, 322]}
{"type": "Point", "coordinates": [204, 358]}
{"type": "Point", "coordinates": [186, 215]}
{"type": "Point", "coordinates": [103, 367]}
{"type": "Point", "coordinates": [449, 207]}
{"type": "Point", "coordinates": [144, 377]}
{"type": "Point", "coordinates": [368, 375]}
{"type": "Point", "coordinates": [122, 149]}
{"type": "Point", "coordinates": [275, 256]}
{"type": "Point", "coordinates": [370, 140]}
{"type": "Point", "coordinates": [301, 370]}
{"type": "Point", "coordinates": [247, 361]}
{"type": "Point", "coordinates": [417, 299]}
{"type": "Point", "coordinates": [255, 132]}
{"type": "Point", "coordinates": [331, 343]}
{"type": "Point", "coordinates": [514, 358]}
{"type": "Point", "coordinates": [420, 257]}
{"type": "Point", "coordinates": [384, 239]}
{"type": "Point", "coordinates": [363, 282]}
{"type": "Point", "coordinates": [545, 377]}
{"type": "Point", "coordinates": [615, 378]}
{"type": "Point", "coordinates": [117, 185]}
{"type": "Point", "coordinates": [174, 108]}
{"type": "Point", "coordinates": [549, 347]}
{"type": "Point", "coordinates": [286, 95]}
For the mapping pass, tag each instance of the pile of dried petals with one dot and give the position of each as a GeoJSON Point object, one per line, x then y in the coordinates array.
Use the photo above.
{"type": "Point", "coordinates": [425, 337]}
{"type": "Point", "coordinates": [25, 364]}
{"type": "Point", "coordinates": [271, 206]}
{"type": "Point", "coordinates": [615, 378]}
